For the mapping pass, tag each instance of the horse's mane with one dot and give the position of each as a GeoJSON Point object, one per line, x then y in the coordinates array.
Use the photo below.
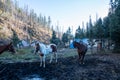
{"type": "Point", "coordinates": [79, 44]}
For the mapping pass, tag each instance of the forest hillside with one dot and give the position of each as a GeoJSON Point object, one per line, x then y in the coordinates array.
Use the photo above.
{"type": "Point", "coordinates": [25, 24]}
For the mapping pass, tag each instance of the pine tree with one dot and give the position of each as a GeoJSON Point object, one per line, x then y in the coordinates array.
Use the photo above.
{"type": "Point", "coordinates": [49, 22]}
{"type": "Point", "coordinates": [100, 29]}
{"type": "Point", "coordinates": [65, 38]}
{"type": "Point", "coordinates": [54, 39]}
{"type": "Point", "coordinates": [106, 23]}
{"type": "Point", "coordinates": [15, 39]}
{"type": "Point", "coordinates": [91, 34]}
{"type": "Point", "coordinates": [78, 33]}
{"type": "Point", "coordinates": [91, 29]}
{"type": "Point", "coordinates": [87, 30]}
{"type": "Point", "coordinates": [115, 24]}
{"type": "Point", "coordinates": [69, 34]}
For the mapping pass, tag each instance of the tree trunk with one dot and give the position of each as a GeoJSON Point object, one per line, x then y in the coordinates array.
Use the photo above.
{"type": "Point", "coordinates": [117, 47]}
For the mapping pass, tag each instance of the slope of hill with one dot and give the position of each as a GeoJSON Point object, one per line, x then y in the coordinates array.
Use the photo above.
{"type": "Point", "coordinates": [27, 30]}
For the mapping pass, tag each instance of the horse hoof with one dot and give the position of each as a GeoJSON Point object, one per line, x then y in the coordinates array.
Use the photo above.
{"type": "Point", "coordinates": [44, 66]}
{"type": "Point", "coordinates": [56, 61]}
{"type": "Point", "coordinates": [50, 62]}
{"type": "Point", "coordinates": [82, 63]}
{"type": "Point", "coordinates": [40, 65]}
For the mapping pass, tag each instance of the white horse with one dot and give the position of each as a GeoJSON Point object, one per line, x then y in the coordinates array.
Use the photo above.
{"type": "Point", "coordinates": [43, 50]}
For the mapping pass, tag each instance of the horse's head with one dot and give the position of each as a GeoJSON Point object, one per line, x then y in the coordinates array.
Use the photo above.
{"type": "Point", "coordinates": [37, 47]}
{"type": "Point", "coordinates": [75, 44]}
{"type": "Point", "coordinates": [11, 48]}
{"type": "Point", "coordinates": [53, 47]}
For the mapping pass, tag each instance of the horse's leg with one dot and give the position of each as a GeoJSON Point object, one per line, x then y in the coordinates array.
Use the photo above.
{"type": "Point", "coordinates": [82, 58]}
{"type": "Point", "coordinates": [44, 61]}
{"type": "Point", "coordinates": [51, 57]}
{"type": "Point", "coordinates": [56, 56]}
{"type": "Point", "coordinates": [41, 58]}
{"type": "Point", "coordinates": [79, 53]}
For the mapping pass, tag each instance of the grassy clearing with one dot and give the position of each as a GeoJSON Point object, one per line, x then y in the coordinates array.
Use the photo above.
{"type": "Point", "coordinates": [67, 53]}
{"type": "Point", "coordinates": [22, 54]}
{"type": "Point", "coordinates": [26, 54]}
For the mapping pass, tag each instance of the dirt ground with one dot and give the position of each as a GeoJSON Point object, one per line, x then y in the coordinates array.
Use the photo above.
{"type": "Point", "coordinates": [96, 67]}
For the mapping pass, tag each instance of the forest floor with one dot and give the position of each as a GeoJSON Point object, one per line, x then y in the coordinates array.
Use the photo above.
{"type": "Point", "coordinates": [96, 67]}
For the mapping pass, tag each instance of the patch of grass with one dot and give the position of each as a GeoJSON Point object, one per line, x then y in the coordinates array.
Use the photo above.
{"type": "Point", "coordinates": [26, 54]}
{"type": "Point", "coordinates": [21, 54]}
{"type": "Point", "coordinates": [24, 50]}
{"type": "Point", "coordinates": [68, 53]}
{"type": "Point", "coordinates": [5, 55]}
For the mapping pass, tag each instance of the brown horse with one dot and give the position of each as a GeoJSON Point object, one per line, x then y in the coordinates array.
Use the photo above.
{"type": "Point", "coordinates": [81, 49]}
{"type": "Point", "coordinates": [8, 47]}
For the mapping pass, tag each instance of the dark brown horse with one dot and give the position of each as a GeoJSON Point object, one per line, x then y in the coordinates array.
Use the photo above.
{"type": "Point", "coordinates": [8, 47]}
{"type": "Point", "coordinates": [81, 49]}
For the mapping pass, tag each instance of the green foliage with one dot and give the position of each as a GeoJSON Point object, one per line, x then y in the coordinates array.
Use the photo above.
{"type": "Point", "coordinates": [87, 30]}
{"type": "Point", "coordinates": [99, 29]}
{"type": "Point", "coordinates": [15, 39]}
{"type": "Point", "coordinates": [65, 38]}
{"type": "Point", "coordinates": [106, 23]}
{"type": "Point", "coordinates": [79, 33]}
{"type": "Point", "coordinates": [69, 31]}
{"type": "Point", "coordinates": [54, 39]}
{"type": "Point", "coordinates": [108, 28]}
{"type": "Point", "coordinates": [91, 29]}
{"type": "Point", "coordinates": [69, 34]}
{"type": "Point", "coordinates": [49, 21]}
{"type": "Point", "coordinates": [115, 24]}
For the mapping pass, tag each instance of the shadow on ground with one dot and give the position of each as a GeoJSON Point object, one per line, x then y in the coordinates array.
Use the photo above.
{"type": "Point", "coordinates": [96, 67]}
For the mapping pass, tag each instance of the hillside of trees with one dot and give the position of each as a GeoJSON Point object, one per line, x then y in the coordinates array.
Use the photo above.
{"type": "Point", "coordinates": [23, 24]}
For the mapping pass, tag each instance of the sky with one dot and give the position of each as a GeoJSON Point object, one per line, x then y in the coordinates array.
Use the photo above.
{"type": "Point", "coordinates": [68, 13]}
